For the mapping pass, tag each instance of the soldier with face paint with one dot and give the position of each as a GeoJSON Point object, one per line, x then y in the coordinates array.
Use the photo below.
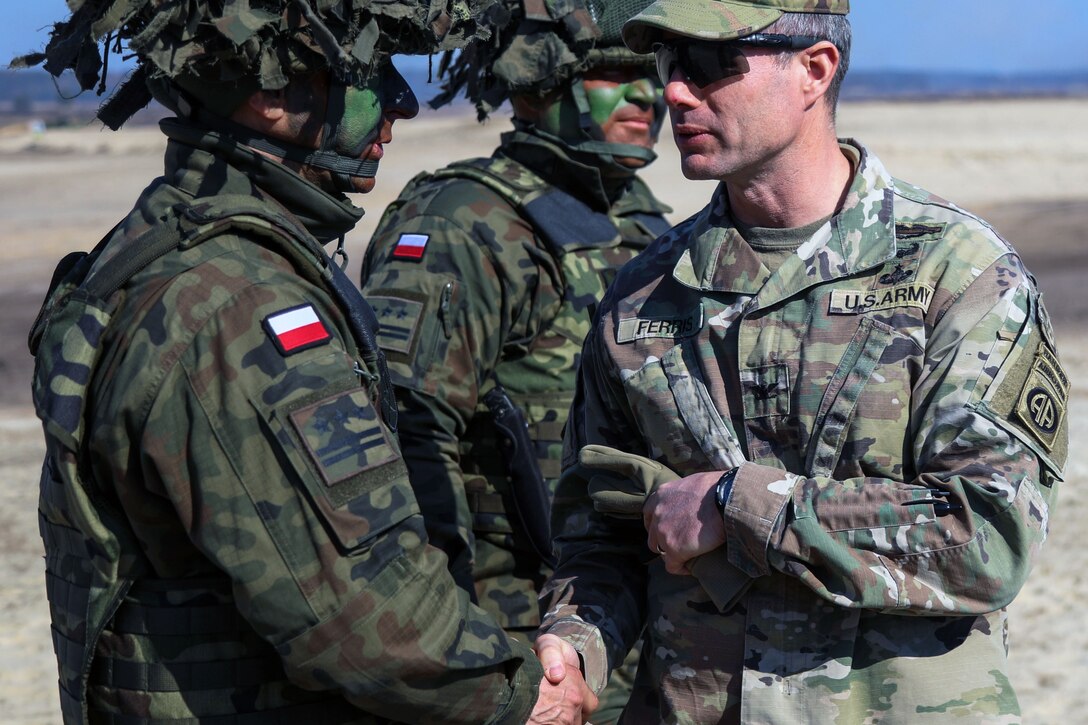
{"type": "Point", "coordinates": [485, 276]}
{"type": "Point", "coordinates": [229, 529]}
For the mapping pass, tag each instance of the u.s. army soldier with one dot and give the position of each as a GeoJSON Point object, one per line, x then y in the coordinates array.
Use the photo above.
{"type": "Point", "coordinates": [229, 528]}
{"type": "Point", "coordinates": [819, 425]}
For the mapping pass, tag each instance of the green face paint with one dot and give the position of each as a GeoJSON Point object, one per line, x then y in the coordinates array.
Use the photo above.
{"type": "Point", "coordinates": [362, 117]}
{"type": "Point", "coordinates": [561, 117]}
{"type": "Point", "coordinates": [385, 93]}
{"type": "Point", "coordinates": [606, 100]}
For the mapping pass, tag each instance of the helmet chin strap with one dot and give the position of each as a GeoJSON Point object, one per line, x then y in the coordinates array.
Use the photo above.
{"type": "Point", "coordinates": [343, 168]}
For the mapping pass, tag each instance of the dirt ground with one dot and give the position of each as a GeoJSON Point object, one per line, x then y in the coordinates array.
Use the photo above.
{"type": "Point", "coordinates": [1022, 165]}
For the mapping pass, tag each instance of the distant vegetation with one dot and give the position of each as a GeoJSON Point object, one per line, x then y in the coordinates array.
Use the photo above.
{"type": "Point", "coordinates": [32, 94]}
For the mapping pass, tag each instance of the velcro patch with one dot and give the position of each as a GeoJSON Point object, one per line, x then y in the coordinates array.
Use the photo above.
{"type": "Point", "coordinates": [343, 435]}
{"type": "Point", "coordinates": [856, 302]}
{"type": "Point", "coordinates": [1044, 399]}
{"type": "Point", "coordinates": [411, 246]}
{"type": "Point", "coordinates": [296, 329]}
{"type": "Point", "coordinates": [675, 328]}
{"type": "Point", "coordinates": [398, 321]}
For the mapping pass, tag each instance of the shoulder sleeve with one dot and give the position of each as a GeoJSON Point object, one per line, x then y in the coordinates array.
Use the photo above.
{"type": "Point", "coordinates": [593, 600]}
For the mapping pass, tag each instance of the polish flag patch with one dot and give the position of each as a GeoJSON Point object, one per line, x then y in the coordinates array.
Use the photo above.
{"type": "Point", "coordinates": [296, 329]}
{"type": "Point", "coordinates": [411, 246]}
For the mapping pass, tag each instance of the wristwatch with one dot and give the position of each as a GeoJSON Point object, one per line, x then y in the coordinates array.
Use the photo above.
{"type": "Point", "coordinates": [723, 488]}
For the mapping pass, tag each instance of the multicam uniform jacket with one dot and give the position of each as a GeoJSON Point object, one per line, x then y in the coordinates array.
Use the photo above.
{"type": "Point", "coordinates": [228, 520]}
{"type": "Point", "coordinates": [471, 291]}
{"type": "Point", "coordinates": [894, 399]}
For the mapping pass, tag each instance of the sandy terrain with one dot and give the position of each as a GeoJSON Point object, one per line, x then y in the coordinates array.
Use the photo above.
{"type": "Point", "coordinates": [1021, 164]}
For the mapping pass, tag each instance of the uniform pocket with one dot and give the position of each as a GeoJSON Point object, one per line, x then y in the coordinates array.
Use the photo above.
{"type": "Point", "coordinates": [348, 462]}
{"type": "Point", "coordinates": [840, 401]}
{"type": "Point", "coordinates": [677, 415]}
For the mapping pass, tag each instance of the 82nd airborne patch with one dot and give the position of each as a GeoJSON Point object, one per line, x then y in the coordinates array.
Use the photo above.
{"type": "Point", "coordinates": [1043, 401]}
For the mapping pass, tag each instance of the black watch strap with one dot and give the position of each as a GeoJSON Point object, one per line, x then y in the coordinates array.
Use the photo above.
{"type": "Point", "coordinates": [723, 488]}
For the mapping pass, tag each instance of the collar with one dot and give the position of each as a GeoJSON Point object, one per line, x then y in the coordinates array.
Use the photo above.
{"type": "Point", "coordinates": [565, 168]}
{"type": "Point", "coordinates": [206, 163]}
{"type": "Point", "coordinates": [859, 236]}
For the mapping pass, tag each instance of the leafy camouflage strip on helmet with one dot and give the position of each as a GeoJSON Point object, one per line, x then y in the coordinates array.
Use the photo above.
{"type": "Point", "coordinates": [247, 46]}
{"type": "Point", "coordinates": [539, 45]}
{"type": "Point", "coordinates": [716, 19]}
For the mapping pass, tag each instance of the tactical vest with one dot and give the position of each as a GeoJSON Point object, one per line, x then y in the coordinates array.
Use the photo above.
{"type": "Point", "coordinates": [96, 576]}
{"type": "Point", "coordinates": [588, 247]}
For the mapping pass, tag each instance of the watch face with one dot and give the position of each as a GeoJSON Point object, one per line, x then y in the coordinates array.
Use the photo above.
{"type": "Point", "coordinates": [722, 489]}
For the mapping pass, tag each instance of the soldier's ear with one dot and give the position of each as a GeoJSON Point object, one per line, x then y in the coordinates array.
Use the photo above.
{"type": "Point", "coordinates": [820, 63]}
{"type": "Point", "coordinates": [262, 110]}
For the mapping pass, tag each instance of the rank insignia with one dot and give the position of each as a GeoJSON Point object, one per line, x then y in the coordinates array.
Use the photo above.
{"type": "Point", "coordinates": [296, 329]}
{"type": "Point", "coordinates": [411, 247]}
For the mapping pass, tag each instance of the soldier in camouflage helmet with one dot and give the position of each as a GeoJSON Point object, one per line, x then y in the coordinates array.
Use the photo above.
{"type": "Point", "coordinates": [485, 275]}
{"type": "Point", "coordinates": [831, 401]}
{"type": "Point", "coordinates": [230, 532]}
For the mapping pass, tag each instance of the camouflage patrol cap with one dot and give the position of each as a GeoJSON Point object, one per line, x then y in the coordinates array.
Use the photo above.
{"type": "Point", "coordinates": [716, 19]}
{"type": "Point", "coordinates": [221, 52]}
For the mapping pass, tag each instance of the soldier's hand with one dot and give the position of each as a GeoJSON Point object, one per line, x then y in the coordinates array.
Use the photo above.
{"type": "Point", "coordinates": [555, 656]}
{"type": "Point", "coordinates": [682, 521]}
{"type": "Point", "coordinates": [569, 702]}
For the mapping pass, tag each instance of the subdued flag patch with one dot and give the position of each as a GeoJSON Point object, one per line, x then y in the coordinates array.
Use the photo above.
{"type": "Point", "coordinates": [296, 329]}
{"type": "Point", "coordinates": [410, 246]}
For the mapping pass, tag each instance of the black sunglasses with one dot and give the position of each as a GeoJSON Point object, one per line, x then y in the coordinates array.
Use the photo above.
{"type": "Point", "coordinates": [705, 61]}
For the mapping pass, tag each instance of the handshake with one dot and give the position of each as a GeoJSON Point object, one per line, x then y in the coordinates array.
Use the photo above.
{"type": "Point", "coordinates": [683, 526]}
{"type": "Point", "coordinates": [564, 696]}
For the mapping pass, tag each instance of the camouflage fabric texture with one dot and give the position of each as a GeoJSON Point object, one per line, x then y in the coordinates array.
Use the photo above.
{"type": "Point", "coordinates": [232, 49]}
{"type": "Point", "coordinates": [896, 392]}
{"type": "Point", "coordinates": [716, 19]}
{"type": "Point", "coordinates": [240, 535]}
{"type": "Point", "coordinates": [539, 46]}
{"type": "Point", "coordinates": [493, 299]}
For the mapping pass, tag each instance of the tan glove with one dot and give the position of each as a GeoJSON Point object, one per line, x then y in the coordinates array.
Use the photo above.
{"type": "Point", "coordinates": [619, 483]}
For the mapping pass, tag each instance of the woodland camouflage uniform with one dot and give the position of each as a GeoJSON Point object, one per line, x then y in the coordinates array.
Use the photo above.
{"type": "Point", "coordinates": [509, 257]}
{"type": "Point", "coordinates": [229, 529]}
{"type": "Point", "coordinates": [892, 395]}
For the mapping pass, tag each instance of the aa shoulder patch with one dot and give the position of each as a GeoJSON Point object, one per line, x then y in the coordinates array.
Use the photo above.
{"type": "Point", "coordinates": [296, 329]}
{"type": "Point", "coordinates": [411, 247]}
{"type": "Point", "coordinates": [1044, 398]}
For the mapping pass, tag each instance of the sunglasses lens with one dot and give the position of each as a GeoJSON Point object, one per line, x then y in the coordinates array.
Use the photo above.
{"type": "Point", "coordinates": [665, 55]}
{"type": "Point", "coordinates": [702, 63]}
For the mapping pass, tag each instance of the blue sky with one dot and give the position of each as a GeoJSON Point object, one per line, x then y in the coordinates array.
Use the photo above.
{"type": "Point", "coordinates": [1001, 36]}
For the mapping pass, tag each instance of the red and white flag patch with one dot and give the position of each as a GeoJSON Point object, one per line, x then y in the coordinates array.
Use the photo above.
{"type": "Point", "coordinates": [296, 329]}
{"type": "Point", "coordinates": [411, 246]}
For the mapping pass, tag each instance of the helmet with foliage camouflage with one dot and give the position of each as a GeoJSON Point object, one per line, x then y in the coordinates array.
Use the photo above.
{"type": "Point", "coordinates": [221, 51]}
{"type": "Point", "coordinates": [202, 58]}
{"type": "Point", "coordinates": [538, 46]}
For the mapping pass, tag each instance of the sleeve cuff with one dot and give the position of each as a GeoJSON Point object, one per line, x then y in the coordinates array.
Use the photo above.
{"type": "Point", "coordinates": [589, 643]}
{"type": "Point", "coordinates": [758, 498]}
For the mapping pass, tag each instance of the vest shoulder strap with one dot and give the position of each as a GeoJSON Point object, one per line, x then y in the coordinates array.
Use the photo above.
{"type": "Point", "coordinates": [564, 222]}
